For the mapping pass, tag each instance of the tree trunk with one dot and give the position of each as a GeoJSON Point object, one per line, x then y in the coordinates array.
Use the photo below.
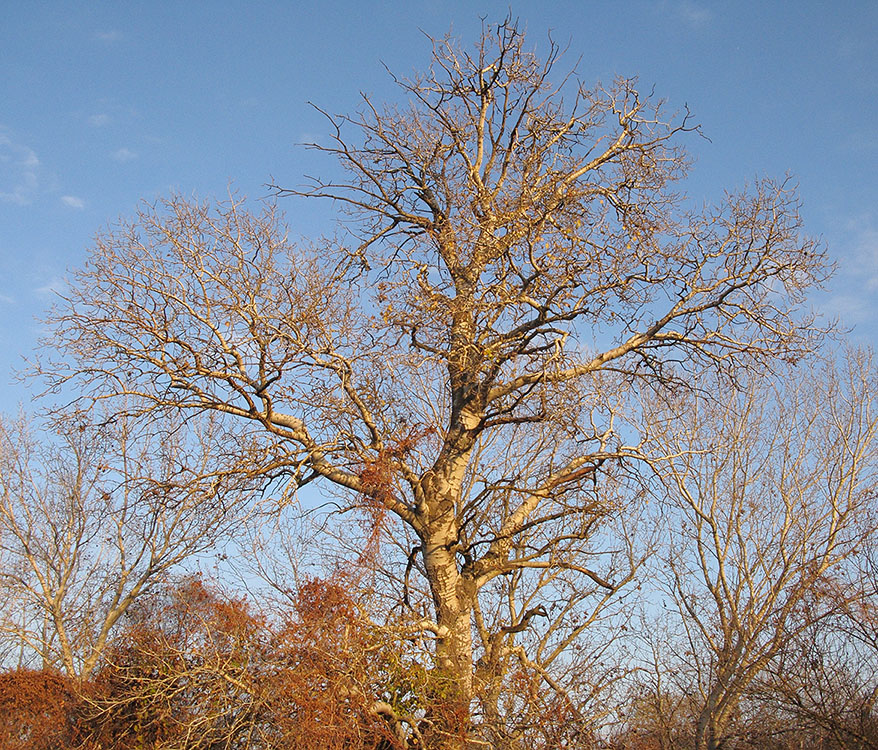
{"type": "Point", "coordinates": [454, 647]}
{"type": "Point", "coordinates": [710, 726]}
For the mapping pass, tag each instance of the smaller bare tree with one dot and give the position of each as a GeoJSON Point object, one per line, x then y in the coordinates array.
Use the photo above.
{"type": "Point", "coordinates": [826, 679]}
{"type": "Point", "coordinates": [92, 518]}
{"type": "Point", "coordinates": [769, 492]}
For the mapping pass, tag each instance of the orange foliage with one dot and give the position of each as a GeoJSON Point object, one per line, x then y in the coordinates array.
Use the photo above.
{"type": "Point", "coordinates": [39, 710]}
{"type": "Point", "coordinates": [194, 669]}
{"type": "Point", "coordinates": [378, 477]}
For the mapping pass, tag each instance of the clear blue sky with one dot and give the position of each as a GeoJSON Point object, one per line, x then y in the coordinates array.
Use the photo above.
{"type": "Point", "coordinates": [105, 103]}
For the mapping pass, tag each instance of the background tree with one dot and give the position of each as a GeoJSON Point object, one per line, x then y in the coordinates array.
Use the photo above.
{"type": "Point", "coordinates": [658, 712]}
{"type": "Point", "coordinates": [92, 517]}
{"type": "Point", "coordinates": [825, 677]}
{"type": "Point", "coordinates": [770, 493]}
{"type": "Point", "coordinates": [522, 268]}
{"type": "Point", "coordinates": [179, 673]}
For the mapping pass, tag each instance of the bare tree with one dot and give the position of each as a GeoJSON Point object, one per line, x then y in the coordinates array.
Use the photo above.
{"type": "Point", "coordinates": [94, 517]}
{"type": "Point", "coordinates": [658, 710]}
{"type": "Point", "coordinates": [770, 493]}
{"type": "Point", "coordinates": [826, 678]}
{"type": "Point", "coordinates": [466, 371]}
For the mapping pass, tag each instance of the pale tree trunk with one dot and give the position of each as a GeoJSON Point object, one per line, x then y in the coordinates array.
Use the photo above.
{"type": "Point", "coordinates": [453, 597]}
{"type": "Point", "coordinates": [712, 719]}
{"type": "Point", "coordinates": [703, 733]}
{"type": "Point", "coordinates": [706, 734]}
{"type": "Point", "coordinates": [453, 615]}
{"type": "Point", "coordinates": [454, 647]}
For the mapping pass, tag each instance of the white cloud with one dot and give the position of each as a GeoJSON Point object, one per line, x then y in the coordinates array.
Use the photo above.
{"type": "Point", "coordinates": [99, 120]}
{"type": "Point", "coordinates": [55, 285]}
{"type": "Point", "coordinates": [124, 154]}
{"type": "Point", "coordinates": [73, 201]}
{"type": "Point", "coordinates": [848, 309]}
{"type": "Point", "coordinates": [865, 253]}
{"type": "Point", "coordinates": [6, 299]}
{"type": "Point", "coordinates": [19, 167]}
{"type": "Point", "coordinates": [855, 301]}
{"type": "Point", "coordinates": [691, 13]}
{"type": "Point", "coordinates": [111, 35]}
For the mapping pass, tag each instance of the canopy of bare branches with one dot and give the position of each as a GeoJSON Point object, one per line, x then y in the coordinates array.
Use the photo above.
{"type": "Point", "coordinates": [525, 332]}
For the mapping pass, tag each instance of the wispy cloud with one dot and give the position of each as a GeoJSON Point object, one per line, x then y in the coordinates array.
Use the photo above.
{"type": "Point", "coordinates": [848, 309]}
{"type": "Point", "coordinates": [73, 201]}
{"type": "Point", "coordinates": [109, 35]}
{"type": "Point", "coordinates": [124, 154]}
{"type": "Point", "coordinates": [6, 299]}
{"type": "Point", "coordinates": [865, 254]}
{"type": "Point", "coordinates": [19, 176]}
{"type": "Point", "coordinates": [691, 13]}
{"type": "Point", "coordinates": [861, 142]}
{"type": "Point", "coordinates": [695, 15]}
{"type": "Point", "coordinates": [99, 120]}
{"type": "Point", "coordinates": [55, 285]}
{"type": "Point", "coordinates": [857, 273]}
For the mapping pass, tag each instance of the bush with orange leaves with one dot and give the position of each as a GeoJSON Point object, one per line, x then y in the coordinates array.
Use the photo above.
{"type": "Point", "coordinates": [39, 709]}
{"type": "Point", "coordinates": [197, 670]}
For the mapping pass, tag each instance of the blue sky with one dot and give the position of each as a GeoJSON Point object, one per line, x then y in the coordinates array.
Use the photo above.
{"type": "Point", "coordinates": [105, 104]}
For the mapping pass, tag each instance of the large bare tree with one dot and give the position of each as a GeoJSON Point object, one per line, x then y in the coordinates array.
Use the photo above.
{"type": "Point", "coordinates": [466, 367]}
